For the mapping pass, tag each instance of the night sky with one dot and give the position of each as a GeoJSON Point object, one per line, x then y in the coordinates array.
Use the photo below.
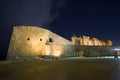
{"type": "Point", "coordinates": [95, 18]}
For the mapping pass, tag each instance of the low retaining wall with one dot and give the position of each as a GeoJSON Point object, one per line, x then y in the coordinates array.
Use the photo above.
{"type": "Point", "coordinates": [95, 51]}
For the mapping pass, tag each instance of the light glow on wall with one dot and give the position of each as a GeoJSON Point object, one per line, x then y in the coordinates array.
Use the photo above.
{"type": "Point", "coordinates": [35, 46]}
{"type": "Point", "coordinates": [48, 51]}
{"type": "Point", "coordinates": [57, 50]}
{"type": "Point", "coordinates": [57, 53]}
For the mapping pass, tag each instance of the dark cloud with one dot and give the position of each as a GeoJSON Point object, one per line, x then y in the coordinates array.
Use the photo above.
{"type": "Point", "coordinates": [31, 12]}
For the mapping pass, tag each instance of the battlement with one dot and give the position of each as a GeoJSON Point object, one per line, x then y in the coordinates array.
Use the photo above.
{"type": "Point", "coordinates": [88, 41]}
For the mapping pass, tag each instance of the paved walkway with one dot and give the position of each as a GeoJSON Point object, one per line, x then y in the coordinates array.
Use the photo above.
{"type": "Point", "coordinates": [65, 69]}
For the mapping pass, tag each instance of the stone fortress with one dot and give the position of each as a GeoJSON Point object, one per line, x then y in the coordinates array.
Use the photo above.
{"type": "Point", "coordinates": [32, 42]}
{"type": "Point", "coordinates": [88, 41]}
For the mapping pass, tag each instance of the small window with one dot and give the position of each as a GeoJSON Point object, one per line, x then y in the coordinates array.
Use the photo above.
{"type": "Point", "coordinates": [40, 39]}
{"type": "Point", "coordinates": [28, 39]}
{"type": "Point", "coordinates": [50, 40]}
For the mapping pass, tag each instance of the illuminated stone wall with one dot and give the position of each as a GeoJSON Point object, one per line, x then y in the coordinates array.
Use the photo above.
{"type": "Point", "coordinates": [87, 41]}
{"type": "Point", "coordinates": [37, 41]}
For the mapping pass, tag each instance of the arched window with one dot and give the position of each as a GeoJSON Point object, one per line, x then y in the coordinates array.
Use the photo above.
{"type": "Point", "coordinates": [78, 42]}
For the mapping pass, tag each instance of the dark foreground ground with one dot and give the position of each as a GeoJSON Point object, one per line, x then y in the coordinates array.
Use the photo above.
{"type": "Point", "coordinates": [68, 69]}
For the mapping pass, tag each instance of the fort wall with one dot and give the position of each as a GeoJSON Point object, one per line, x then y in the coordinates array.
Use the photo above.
{"type": "Point", "coordinates": [36, 41]}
